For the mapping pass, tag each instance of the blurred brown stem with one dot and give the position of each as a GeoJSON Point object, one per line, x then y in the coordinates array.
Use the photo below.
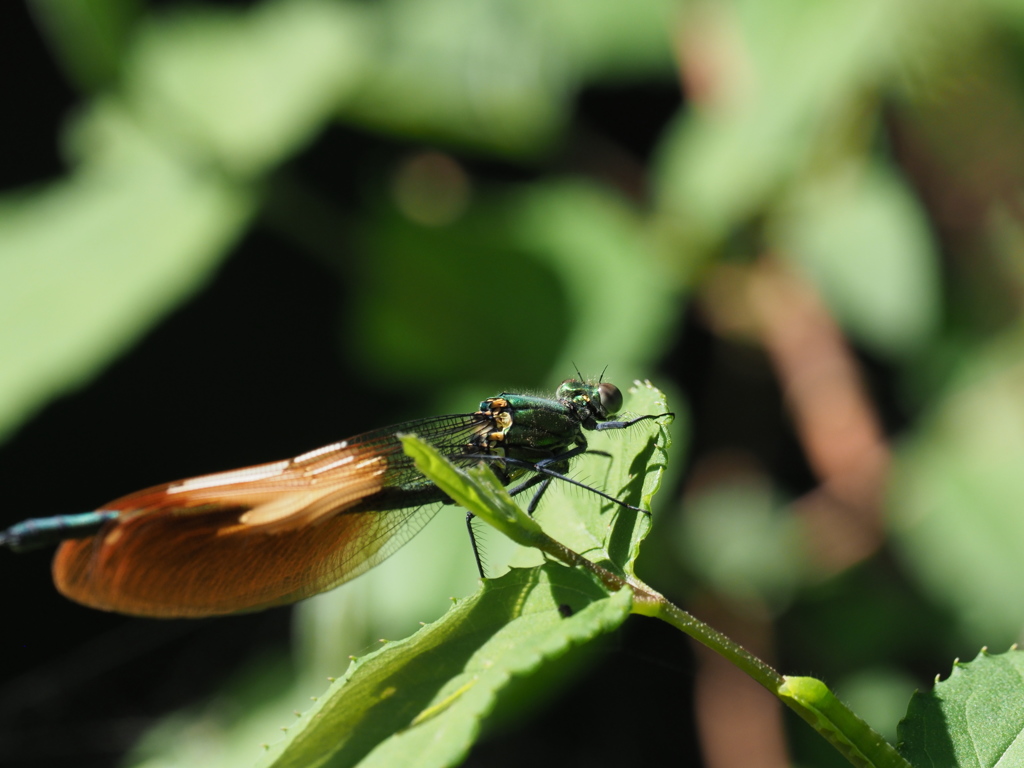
{"type": "Point", "coordinates": [831, 410]}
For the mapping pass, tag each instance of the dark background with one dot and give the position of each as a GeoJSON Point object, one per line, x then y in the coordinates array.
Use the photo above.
{"type": "Point", "coordinates": [258, 364]}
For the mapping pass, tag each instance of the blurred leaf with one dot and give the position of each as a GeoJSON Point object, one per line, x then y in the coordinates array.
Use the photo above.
{"type": "Point", "coordinates": [88, 38]}
{"type": "Point", "coordinates": [147, 214]}
{"type": "Point", "coordinates": [742, 542]}
{"type": "Point", "coordinates": [86, 265]}
{"type": "Point", "coordinates": [873, 613]}
{"type": "Point", "coordinates": [957, 490]}
{"type": "Point", "coordinates": [226, 730]}
{"type": "Point", "coordinates": [786, 72]}
{"type": "Point", "coordinates": [863, 239]}
{"type": "Point", "coordinates": [608, 38]}
{"type": "Point", "coordinates": [973, 719]}
{"type": "Point", "coordinates": [246, 89]}
{"type": "Point", "coordinates": [571, 277]}
{"type": "Point", "coordinates": [879, 695]}
{"type": "Point", "coordinates": [477, 310]}
{"type": "Point", "coordinates": [457, 70]}
{"type": "Point", "coordinates": [1010, 11]}
{"type": "Point", "coordinates": [501, 76]}
{"type": "Point", "coordinates": [621, 303]}
{"type": "Point", "coordinates": [719, 165]}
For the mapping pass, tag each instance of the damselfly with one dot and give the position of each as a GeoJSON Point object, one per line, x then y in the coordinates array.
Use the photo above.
{"type": "Point", "coordinates": [275, 533]}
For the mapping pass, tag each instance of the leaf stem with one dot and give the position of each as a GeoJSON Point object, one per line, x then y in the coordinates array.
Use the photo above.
{"type": "Point", "coordinates": [808, 697]}
{"type": "Point", "coordinates": [648, 602]}
{"type": "Point", "coordinates": [479, 491]}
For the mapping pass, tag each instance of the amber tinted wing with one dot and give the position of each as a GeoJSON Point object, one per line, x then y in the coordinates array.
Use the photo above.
{"type": "Point", "coordinates": [257, 537]}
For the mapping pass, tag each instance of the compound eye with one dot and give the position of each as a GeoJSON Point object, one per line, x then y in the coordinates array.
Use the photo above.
{"type": "Point", "coordinates": [611, 398]}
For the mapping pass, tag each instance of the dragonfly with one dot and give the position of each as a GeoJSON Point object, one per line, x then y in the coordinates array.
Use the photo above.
{"type": "Point", "coordinates": [275, 533]}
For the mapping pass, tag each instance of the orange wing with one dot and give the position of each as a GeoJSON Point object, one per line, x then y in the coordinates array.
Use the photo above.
{"type": "Point", "coordinates": [257, 537]}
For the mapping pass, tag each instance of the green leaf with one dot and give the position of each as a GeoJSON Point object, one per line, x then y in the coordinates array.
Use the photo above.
{"type": "Point", "coordinates": [878, 693]}
{"type": "Point", "coordinates": [954, 500]}
{"type": "Point", "coordinates": [502, 75]}
{"type": "Point", "coordinates": [483, 74]}
{"type": "Point", "coordinates": [622, 302]}
{"type": "Point", "coordinates": [421, 701]}
{"type": "Point", "coordinates": [722, 163]}
{"type": "Point", "coordinates": [90, 38]}
{"type": "Point", "coordinates": [246, 89]}
{"type": "Point", "coordinates": [973, 719]}
{"type": "Point", "coordinates": [601, 531]}
{"type": "Point", "coordinates": [792, 87]}
{"type": "Point", "coordinates": [580, 251]}
{"type": "Point", "coordinates": [476, 490]}
{"type": "Point", "coordinates": [863, 239]}
{"type": "Point", "coordinates": [848, 733]}
{"type": "Point", "coordinates": [89, 263]}
{"type": "Point", "coordinates": [608, 38]}
{"type": "Point", "coordinates": [597, 528]}
{"type": "Point", "coordinates": [741, 541]}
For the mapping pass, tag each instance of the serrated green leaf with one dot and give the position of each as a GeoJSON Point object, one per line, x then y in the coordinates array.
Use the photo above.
{"type": "Point", "coordinates": [421, 701]}
{"type": "Point", "coordinates": [640, 462]}
{"type": "Point", "coordinates": [972, 719]}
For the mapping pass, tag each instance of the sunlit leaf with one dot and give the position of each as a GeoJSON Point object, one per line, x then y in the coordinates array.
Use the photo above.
{"type": "Point", "coordinates": [972, 719]}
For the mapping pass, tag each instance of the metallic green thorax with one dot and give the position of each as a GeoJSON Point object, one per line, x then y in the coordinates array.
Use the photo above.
{"type": "Point", "coordinates": [523, 437]}
{"type": "Point", "coordinates": [534, 428]}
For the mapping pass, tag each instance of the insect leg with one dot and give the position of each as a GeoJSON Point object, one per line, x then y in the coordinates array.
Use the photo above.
{"type": "Point", "coordinates": [625, 424]}
{"type": "Point", "coordinates": [476, 547]}
{"type": "Point", "coordinates": [550, 473]}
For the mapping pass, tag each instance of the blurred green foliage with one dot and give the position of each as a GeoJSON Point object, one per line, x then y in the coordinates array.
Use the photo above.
{"type": "Point", "coordinates": [873, 147]}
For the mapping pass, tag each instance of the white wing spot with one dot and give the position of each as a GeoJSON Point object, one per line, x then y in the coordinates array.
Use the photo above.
{"type": "Point", "coordinates": [320, 451]}
{"type": "Point", "coordinates": [247, 475]}
{"type": "Point", "coordinates": [370, 462]}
